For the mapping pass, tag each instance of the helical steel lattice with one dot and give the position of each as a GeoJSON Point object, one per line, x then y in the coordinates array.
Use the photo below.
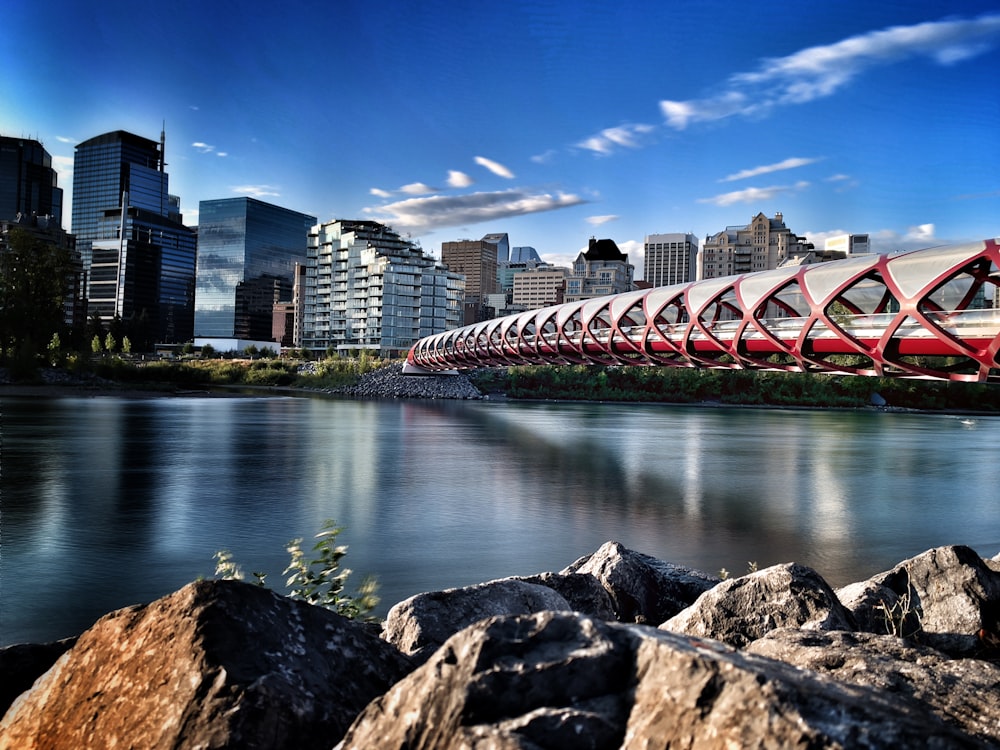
{"type": "Point", "coordinates": [927, 313]}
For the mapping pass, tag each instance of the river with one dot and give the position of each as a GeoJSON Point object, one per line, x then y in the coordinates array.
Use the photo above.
{"type": "Point", "coordinates": [109, 501]}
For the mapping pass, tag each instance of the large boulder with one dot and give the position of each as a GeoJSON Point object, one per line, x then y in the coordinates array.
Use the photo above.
{"type": "Point", "coordinates": [419, 625]}
{"type": "Point", "coordinates": [946, 597]}
{"type": "Point", "coordinates": [960, 691]}
{"type": "Point", "coordinates": [643, 589]}
{"type": "Point", "coordinates": [740, 610]}
{"type": "Point", "coordinates": [561, 679]}
{"type": "Point", "coordinates": [215, 664]}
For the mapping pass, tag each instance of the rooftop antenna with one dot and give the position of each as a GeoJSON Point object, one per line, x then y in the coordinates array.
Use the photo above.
{"type": "Point", "coordinates": [163, 146]}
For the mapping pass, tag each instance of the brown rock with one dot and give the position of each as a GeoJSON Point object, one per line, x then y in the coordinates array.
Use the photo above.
{"type": "Point", "coordinates": [215, 664]}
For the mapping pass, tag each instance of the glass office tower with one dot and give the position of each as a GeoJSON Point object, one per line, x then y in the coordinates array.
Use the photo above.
{"type": "Point", "coordinates": [139, 257]}
{"type": "Point", "coordinates": [247, 251]}
{"type": "Point", "coordinates": [28, 183]}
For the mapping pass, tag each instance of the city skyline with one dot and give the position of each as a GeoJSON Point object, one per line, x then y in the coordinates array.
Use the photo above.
{"type": "Point", "coordinates": [549, 121]}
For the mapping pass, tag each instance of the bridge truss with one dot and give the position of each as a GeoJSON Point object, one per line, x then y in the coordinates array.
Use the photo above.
{"type": "Point", "coordinates": [928, 313]}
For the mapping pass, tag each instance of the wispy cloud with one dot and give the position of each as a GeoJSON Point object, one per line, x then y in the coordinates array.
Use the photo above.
{"type": "Point", "coordinates": [418, 215]}
{"type": "Point", "coordinates": [791, 163]}
{"type": "Point", "coordinates": [207, 148]}
{"type": "Point", "coordinates": [257, 191]}
{"type": "Point", "coordinates": [598, 220]}
{"type": "Point", "coordinates": [545, 157]}
{"type": "Point", "coordinates": [64, 139]}
{"type": "Point", "coordinates": [495, 167]}
{"type": "Point", "coordinates": [817, 72]}
{"type": "Point", "coordinates": [753, 194]}
{"type": "Point", "coordinates": [610, 140]}
{"type": "Point", "coordinates": [458, 179]}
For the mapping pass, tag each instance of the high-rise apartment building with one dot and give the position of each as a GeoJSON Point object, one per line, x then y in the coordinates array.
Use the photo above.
{"type": "Point", "coordinates": [247, 253]}
{"type": "Point", "coordinates": [849, 244]}
{"type": "Point", "coordinates": [538, 287]}
{"type": "Point", "coordinates": [670, 259]}
{"type": "Point", "coordinates": [366, 288]}
{"type": "Point", "coordinates": [761, 245]}
{"type": "Point", "coordinates": [139, 257]}
{"type": "Point", "coordinates": [477, 261]}
{"type": "Point", "coordinates": [600, 270]}
{"type": "Point", "coordinates": [28, 183]}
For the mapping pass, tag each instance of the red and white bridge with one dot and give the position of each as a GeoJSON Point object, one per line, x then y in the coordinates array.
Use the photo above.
{"type": "Point", "coordinates": [928, 313]}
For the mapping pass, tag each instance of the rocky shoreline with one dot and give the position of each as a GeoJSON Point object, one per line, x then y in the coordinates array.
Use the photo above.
{"type": "Point", "coordinates": [617, 650]}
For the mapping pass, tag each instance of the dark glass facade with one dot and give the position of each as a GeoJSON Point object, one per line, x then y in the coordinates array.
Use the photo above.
{"type": "Point", "coordinates": [28, 183]}
{"type": "Point", "coordinates": [141, 266]}
{"type": "Point", "coordinates": [247, 251]}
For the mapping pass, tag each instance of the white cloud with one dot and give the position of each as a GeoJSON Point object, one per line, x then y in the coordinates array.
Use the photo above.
{"type": "Point", "coordinates": [417, 188]}
{"type": "Point", "coordinates": [418, 215]}
{"type": "Point", "coordinates": [544, 158]}
{"type": "Point", "coordinates": [611, 139]}
{"type": "Point", "coordinates": [203, 148]}
{"type": "Point", "coordinates": [495, 167]}
{"type": "Point", "coordinates": [257, 191]}
{"type": "Point", "coordinates": [790, 163]}
{"type": "Point", "coordinates": [64, 139]}
{"type": "Point", "coordinates": [458, 179]}
{"type": "Point", "coordinates": [598, 220]}
{"type": "Point", "coordinates": [921, 233]}
{"type": "Point", "coordinates": [380, 193]}
{"type": "Point", "coordinates": [753, 194]}
{"type": "Point", "coordinates": [817, 72]}
{"type": "Point", "coordinates": [221, 153]}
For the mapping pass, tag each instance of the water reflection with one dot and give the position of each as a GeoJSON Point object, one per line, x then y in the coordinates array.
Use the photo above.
{"type": "Point", "coordinates": [108, 502]}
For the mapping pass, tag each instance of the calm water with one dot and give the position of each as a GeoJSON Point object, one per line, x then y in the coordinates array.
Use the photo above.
{"type": "Point", "coordinates": [108, 502]}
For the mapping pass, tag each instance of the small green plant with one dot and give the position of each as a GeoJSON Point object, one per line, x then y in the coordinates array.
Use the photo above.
{"type": "Point", "coordinates": [902, 618]}
{"type": "Point", "coordinates": [319, 581]}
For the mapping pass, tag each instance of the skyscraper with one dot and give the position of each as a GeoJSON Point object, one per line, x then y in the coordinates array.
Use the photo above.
{"type": "Point", "coordinates": [247, 251]}
{"type": "Point", "coordinates": [139, 256]}
{"type": "Point", "coordinates": [477, 261]}
{"type": "Point", "coordinates": [28, 183]}
{"type": "Point", "coordinates": [670, 259]}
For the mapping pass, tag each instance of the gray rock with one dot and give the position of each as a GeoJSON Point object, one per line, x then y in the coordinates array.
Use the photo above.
{"type": "Point", "coordinates": [583, 591]}
{"type": "Point", "coordinates": [955, 595]}
{"type": "Point", "coordinates": [389, 382]}
{"type": "Point", "coordinates": [419, 625]}
{"type": "Point", "coordinates": [741, 610]}
{"type": "Point", "coordinates": [215, 664]}
{"type": "Point", "coordinates": [878, 609]}
{"type": "Point", "coordinates": [643, 589]}
{"type": "Point", "coordinates": [960, 691]}
{"type": "Point", "coordinates": [23, 663]}
{"type": "Point", "coordinates": [564, 680]}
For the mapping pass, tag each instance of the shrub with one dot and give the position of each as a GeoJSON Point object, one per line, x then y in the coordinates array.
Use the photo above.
{"type": "Point", "coordinates": [319, 581]}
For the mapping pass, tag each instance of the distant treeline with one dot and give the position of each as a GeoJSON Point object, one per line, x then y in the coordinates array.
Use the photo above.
{"type": "Point", "coordinates": [744, 387]}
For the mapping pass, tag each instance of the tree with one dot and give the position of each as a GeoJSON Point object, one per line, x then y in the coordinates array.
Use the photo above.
{"type": "Point", "coordinates": [109, 342]}
{"type": "Point", "coordinates": [127, 345]}
{"type": "Point", "coordinates": [33, 289]}
{"type": "Point", "coordinates": [95, 344]}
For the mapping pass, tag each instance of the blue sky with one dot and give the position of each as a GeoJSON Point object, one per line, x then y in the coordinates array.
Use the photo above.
{"type": "Point", "coordinates": [553, 121]}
